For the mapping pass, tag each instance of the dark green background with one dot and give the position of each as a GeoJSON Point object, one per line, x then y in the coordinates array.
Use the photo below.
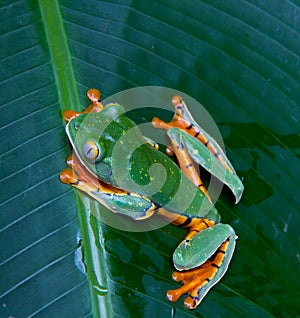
{"type": "Point", "coordinates": [240, 59]}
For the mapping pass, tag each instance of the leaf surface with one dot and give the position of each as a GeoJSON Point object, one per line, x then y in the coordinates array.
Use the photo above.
{"type": "Point", "coordinates": [240, 59]}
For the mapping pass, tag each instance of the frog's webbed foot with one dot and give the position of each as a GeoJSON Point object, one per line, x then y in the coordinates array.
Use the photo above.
{"type": "Point", "coordinates": [96, 106]}
{"type": "Point", "coordinates": [197, 281]}
{"type": "Point", "coordinates": [201, 264]}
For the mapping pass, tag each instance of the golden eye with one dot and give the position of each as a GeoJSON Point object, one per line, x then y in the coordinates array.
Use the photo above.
{"type": "Point", "coordinates": [91, 150]}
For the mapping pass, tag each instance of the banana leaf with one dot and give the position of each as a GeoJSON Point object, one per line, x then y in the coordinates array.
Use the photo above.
{"type": "Point", "coordinates": [240, 59]}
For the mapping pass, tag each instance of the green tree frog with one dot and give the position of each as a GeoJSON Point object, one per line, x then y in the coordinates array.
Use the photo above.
{"type": "Point", "coordinates": [127, 173]}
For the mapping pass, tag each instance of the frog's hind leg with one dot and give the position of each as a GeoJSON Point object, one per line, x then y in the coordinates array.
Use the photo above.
{"type": "Point", "coordinates": [201, 259]}
{"type": "Point", "coordinates": [116, 200]}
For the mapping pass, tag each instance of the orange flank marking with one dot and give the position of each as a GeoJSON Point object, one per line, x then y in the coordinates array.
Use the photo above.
{"type": "Point", "coordinates": [197, 225]}
{"type": "Point", "coordinates": [188, 167]}
{"type": "Point", "coordinates": [194, 225]}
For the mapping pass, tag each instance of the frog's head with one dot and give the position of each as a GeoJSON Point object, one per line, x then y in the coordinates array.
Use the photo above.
{"type": "Point", "coordinates": [85, 138]}
{"type": "Point", "coordinates": [93, 137]}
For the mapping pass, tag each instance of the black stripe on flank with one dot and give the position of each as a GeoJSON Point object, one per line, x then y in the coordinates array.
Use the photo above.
{"type": "Point", "coordinates": [205, 223]}
{"type": "Point", "coordinates": [190, 126]}
{"type": "Point", "coordinates": [194, 303]}
{"type": "Point", "coordinates": [187, 221]}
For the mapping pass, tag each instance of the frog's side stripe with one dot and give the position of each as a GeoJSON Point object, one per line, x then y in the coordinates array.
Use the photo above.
{"type": "Point", "coordinates": [127, 203]}
{"type": "Point", "coordinates": [186, 221]}
{"type": "Point", "coordinates": [187, 165]}
{"type": "Point", "coordinates": [195, 224]}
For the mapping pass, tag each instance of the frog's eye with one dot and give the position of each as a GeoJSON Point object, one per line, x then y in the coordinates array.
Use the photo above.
{"type": "Point", "coordinates": [92, 150]}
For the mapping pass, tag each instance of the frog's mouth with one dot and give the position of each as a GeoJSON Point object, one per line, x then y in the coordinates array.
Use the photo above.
{"type": "Point", "coordinates": [71, 137]}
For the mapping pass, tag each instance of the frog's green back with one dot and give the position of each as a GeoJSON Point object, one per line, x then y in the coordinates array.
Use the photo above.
{"type": "Point", "coordinates": [131, 163]}
{"type": "Point", "coordinates": [176, 193]}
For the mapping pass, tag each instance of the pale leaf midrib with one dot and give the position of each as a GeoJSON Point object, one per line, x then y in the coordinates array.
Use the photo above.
{"type": "Point", "coordinates": [67, 90]}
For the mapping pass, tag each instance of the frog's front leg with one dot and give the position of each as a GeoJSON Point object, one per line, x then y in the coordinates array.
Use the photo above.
{"type": "Point", "coordinates": [201, 259]}
{"type": "Point", "coordinates": [96, 106]}
{"type": "Point", "coordinates": [117, 200]}
{"type": "Point", "coordinates": [201, 147]}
